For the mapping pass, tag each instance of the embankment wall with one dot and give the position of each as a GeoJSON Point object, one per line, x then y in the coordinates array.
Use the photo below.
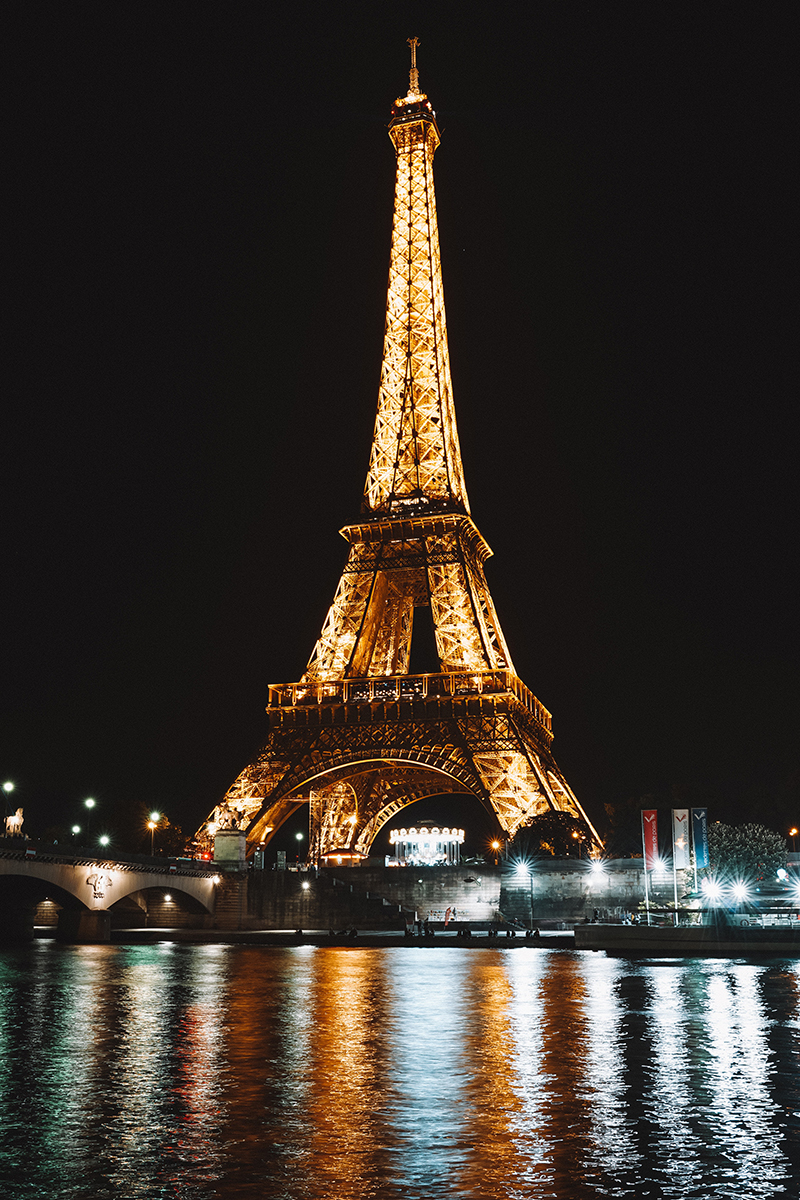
{"type": "Point", "coordinates": [557, 892]}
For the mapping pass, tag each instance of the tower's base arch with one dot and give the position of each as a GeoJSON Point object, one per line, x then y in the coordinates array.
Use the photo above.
{"type": "Point", "coordinates": [358, 764]}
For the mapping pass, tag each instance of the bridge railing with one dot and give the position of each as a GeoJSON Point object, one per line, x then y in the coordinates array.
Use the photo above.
{"type": "Point", "coordinates": [23, 849]}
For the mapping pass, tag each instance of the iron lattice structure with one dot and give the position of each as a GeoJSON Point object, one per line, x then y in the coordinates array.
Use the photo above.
{"type": "Point", "coordinates": [358, 738]}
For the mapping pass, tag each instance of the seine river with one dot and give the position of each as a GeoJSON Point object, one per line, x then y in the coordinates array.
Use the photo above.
{"type": "Point", "coordinates": [193, 1072]}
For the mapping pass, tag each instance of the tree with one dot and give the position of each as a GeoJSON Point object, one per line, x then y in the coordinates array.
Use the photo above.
{"type": "Point", "coordinates": [555, 833]}
{"type": "Point", "coordinates": [622, 835]}
{"type": "Point", "coordinates": [744, 851]}
{"type": "Point", "coordinates": [135, 835]}
{"type": "Point", "coordinates": [169, 838]}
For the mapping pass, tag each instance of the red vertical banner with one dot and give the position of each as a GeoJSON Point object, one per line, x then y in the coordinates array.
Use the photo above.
{"type": "Point", "coordinates": [650, 837]}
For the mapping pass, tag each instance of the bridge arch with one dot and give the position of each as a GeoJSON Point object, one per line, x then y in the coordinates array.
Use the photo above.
{"type": "Point", "coordinates": [173, 887]}
{"type": "Point", "coordinates": [157, 907]}
{"type": "Point", "coordinates": [26, 890]}
{"type": "Point", "coordinates": [96, 884]}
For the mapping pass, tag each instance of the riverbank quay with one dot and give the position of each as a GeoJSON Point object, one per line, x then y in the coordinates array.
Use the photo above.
{"type": "Point", "coordinates": [708, 941]}
{"type": "Point", "coordinates": [363, 939]}
{"type": "Point", "coordinates": [93, 899]}
{"type": "Point", "coordinates": [547, 893]}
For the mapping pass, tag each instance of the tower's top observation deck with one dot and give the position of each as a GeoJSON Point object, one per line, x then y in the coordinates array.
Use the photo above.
{"type": "Point", "coordinates": [415, 105]}
{"type": "Point", "coordinates": [411, 108]}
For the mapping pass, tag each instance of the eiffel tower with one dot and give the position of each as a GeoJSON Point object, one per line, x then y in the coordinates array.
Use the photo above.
{"type": "Point", "coordinates": [357, 737]}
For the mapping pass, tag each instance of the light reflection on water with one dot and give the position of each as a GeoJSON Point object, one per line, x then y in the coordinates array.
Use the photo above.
{"type": "Point", "coordinates": [196, 1072]}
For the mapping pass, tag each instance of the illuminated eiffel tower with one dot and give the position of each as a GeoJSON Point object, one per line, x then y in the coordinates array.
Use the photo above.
{"type": "Point", "coordinates": [358, 737]}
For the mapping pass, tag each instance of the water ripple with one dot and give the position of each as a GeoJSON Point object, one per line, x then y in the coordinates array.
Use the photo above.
{"type": "Point", "coordinates": [205, 1072]}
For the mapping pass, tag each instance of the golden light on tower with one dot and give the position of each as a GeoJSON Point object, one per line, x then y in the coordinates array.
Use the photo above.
{"type": "Point", "coordinates": [358, 738]}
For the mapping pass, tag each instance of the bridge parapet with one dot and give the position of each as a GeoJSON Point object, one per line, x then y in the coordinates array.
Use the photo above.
{"type": "Point", "coordinates": [24, 851]}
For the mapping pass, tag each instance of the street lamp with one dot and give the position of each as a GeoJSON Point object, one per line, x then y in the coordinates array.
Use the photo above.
{"type": "Point", "coordinates": [792, 834]}
{"type": "Point", "coordinates": [495, 847]}
{"type": "Point", "coordinates": [8, 788]}
{"type": "Point", "coordinates": [89, 804]}
{"type": "Point", "coordinates": [75, 831]}
{"type": "Point", "coordinates": [104, 839]}
{"type": "Point", "coordinates": [151, 825]}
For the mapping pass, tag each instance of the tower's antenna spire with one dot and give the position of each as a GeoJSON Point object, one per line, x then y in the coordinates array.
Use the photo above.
{"type": "Point", "coordinates": [413, 74]}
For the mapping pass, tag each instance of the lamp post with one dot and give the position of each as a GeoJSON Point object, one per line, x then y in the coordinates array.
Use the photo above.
{"type": "Point", "coordinates": [75, 831]}
{"type": "Point", "coordinates": [151, 825]}
{"type": "Point", "coordinates": [792, 835]}
{"type": "Point", "coordinates": [530, 887]}
{"type": "Point", "coordinates": [89, 804]}
{"type": "Point", "coordinates": [7, 789]}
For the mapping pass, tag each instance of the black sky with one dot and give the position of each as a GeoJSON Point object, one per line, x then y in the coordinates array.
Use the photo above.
{"type": "Point", "coordinates": [199, 247]}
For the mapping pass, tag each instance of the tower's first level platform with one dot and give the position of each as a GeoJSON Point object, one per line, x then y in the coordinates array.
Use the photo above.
{"type": "Point", "coordinates": [398, 688]}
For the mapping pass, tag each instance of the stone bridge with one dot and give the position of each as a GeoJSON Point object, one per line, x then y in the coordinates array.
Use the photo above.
{"type": "Point", "coordinates": [86, 891]}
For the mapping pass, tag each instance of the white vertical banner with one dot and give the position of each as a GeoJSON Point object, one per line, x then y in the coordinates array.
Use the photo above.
{"type": "Point", "coordinates": [680, 838]}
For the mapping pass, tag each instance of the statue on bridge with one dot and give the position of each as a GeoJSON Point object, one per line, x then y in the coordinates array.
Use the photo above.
{"type": "Point", "coordinates": [14, 824]}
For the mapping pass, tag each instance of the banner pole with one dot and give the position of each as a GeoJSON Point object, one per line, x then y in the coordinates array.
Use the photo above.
{"type": "Point", "coordinates": [646, 893]}
{"type": "Point", "coordinates": [649, 820]}
{"type": "Point", "coordinates": [675, 920]}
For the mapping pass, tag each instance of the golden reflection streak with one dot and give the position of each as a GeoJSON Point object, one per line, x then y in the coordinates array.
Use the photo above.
{"type": "Point", "coordinates": [348, 1074]}
{"type": "Point", "coordinates": [505, 1040]}
{"type": "Point", "coordinates": [268, 1045]}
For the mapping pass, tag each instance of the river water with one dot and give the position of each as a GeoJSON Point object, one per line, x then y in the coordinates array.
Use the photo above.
{"type": "Point", "coordinates": [196, 1072]}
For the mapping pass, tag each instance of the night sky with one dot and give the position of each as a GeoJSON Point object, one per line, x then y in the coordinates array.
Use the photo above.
{"type": "Point", "coordinates": [199, 248]}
